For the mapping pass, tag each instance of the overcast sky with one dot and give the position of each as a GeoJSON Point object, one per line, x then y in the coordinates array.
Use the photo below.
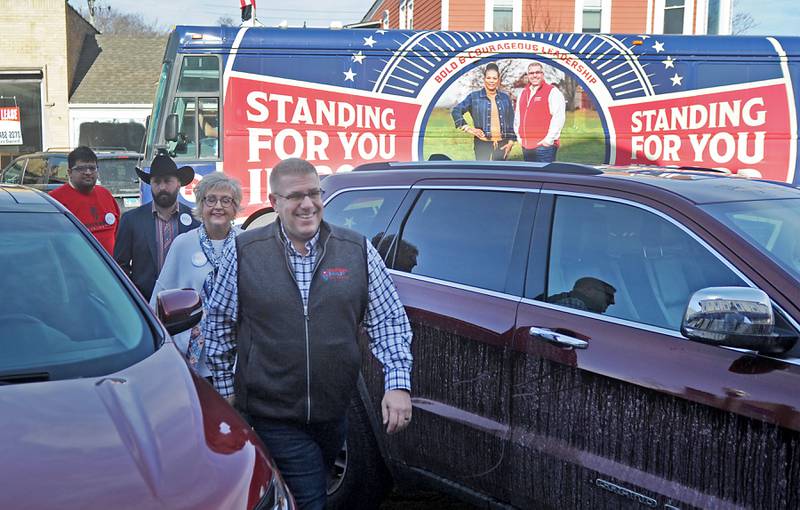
{"type": "Point", "coordinates": [772, 17]}
{"type": "Point", "coordinates": [207, 12]}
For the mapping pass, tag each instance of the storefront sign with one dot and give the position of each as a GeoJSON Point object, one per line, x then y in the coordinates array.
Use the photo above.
{"type": "Point", "coordinates": [10, 126]}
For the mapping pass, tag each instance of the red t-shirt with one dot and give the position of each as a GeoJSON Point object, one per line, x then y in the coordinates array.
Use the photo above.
{"type": "Point", "coordinates": [97, 210]}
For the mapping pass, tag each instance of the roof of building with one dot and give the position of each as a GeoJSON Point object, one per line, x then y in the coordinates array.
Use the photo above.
{"type": "Point", "coordinates": [118, 69]}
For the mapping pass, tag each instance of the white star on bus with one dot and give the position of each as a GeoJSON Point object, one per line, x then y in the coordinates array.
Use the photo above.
{"type": "Point", "coordinates": [369, 41]}
{"type": "Point", "coordinates": [349, 75]}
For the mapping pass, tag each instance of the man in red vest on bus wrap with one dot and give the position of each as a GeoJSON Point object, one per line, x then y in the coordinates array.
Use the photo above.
{"type": "Point", "coordinates": [539, 117]}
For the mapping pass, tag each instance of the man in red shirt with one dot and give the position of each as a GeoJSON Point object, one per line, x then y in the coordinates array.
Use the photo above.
{"type": "Point", "coordinates": [91, 203]}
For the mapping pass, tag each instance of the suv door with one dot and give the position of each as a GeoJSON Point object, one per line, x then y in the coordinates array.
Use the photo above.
{"type": "Point", "coordinates": [458, 259]}
{"type": "Point", "coordinates": [640, 416]}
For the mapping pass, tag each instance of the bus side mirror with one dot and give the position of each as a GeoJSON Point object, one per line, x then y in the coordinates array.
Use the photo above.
{"type": "Point", "coordinates": [171, 128]}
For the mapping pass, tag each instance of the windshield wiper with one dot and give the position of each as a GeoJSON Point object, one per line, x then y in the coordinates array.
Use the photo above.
{"type": "Point", "coordinates": [28, 377]}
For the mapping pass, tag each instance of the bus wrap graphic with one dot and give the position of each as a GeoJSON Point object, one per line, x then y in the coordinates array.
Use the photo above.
{"type": "Point", "coordinates": [339, 99]}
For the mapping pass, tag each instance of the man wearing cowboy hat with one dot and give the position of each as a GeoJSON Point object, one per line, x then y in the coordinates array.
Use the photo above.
{"type": "Point", "coordinates": [146, 233]}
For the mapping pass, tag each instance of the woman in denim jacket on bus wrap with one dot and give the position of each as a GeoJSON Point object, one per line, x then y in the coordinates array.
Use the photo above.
{"type": "Point", "coordinates": [492, 115]}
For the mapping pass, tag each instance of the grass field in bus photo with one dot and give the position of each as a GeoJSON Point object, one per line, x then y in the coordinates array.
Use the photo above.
{"type": "Point", "coordinates": [582, 138]}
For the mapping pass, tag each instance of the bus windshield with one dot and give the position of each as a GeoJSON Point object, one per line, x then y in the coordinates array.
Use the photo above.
{"type": "Point", "coordinates": [158, 103]}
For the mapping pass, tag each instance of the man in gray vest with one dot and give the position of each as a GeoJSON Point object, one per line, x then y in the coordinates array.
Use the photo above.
{"type": "Point", "coordinates": [288, 301]}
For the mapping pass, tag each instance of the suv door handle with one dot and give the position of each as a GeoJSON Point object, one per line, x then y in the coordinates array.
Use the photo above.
{"type": "Point", "coordinates": [559, 339]}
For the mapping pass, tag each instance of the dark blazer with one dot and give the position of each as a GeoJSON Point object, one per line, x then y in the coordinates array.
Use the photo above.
{"type": "Point", "coordinates": [135, 249]}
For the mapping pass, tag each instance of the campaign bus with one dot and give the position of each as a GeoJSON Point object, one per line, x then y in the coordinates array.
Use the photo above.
{"type": "Point", "coordinates": [239, 100]}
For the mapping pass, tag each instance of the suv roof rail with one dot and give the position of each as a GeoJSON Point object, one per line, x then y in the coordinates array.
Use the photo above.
{"type": "Point", "coordinates": [447, 163]}
{"type": "Point", "coordinates": [112, 148]}
{"type": "Point", "coordinates": [570, 168]}
{"type": "Point", "coordinates": [380, 165]}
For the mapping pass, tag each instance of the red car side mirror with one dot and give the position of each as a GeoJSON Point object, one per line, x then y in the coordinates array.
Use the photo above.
{"type": "Point", "coordinates": [179, 309]}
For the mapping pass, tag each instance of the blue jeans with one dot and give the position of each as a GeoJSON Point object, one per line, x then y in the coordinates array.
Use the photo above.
{"type": "Point", "coordinates": [304, 454]}
{"type": "Point", "coordinates": [540, 154]}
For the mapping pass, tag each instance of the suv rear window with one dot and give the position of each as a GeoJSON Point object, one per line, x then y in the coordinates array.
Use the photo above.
{"type": "Point", "coordinates": [64, 312]}
{"type": "Point", "coordinates": [118, 175]}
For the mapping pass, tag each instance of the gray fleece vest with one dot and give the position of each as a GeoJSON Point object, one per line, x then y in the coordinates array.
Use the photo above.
{"type": "Point", "coordinates": [296, 365]}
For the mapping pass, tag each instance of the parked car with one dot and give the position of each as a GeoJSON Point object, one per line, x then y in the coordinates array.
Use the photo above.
{"type": "Point", "coordinates": [583, 337]}
{"type": "Point", "coordinates": [98, 409]}
{"type": "Point", "coordinates": [45, 171]}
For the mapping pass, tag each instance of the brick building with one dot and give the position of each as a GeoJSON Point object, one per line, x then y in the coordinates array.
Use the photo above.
{"type": "Point", "coordinates": [40, 51]}
{"type": "Point", "coordinates": [59, 73]}
{"type": "Point", "coordinates": [606, 16]}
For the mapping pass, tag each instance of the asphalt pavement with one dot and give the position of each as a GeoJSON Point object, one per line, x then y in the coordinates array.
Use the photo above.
{"type": "Point", "coordinates": [423, 500]}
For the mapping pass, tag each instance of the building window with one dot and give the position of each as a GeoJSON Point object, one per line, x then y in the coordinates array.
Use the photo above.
{"type": "Point", "coordinates": [592, 16]}
{"type": "Point", "coordinates": [406, 15]}
{"type": "Point", "coordinates": [503, 16]}
{"type": "Point", "coordinates": [385, 20]}
{"type": "Point", "coordinates": [712, 27]}
{"type": "Point", "coordinates": [673, 16]}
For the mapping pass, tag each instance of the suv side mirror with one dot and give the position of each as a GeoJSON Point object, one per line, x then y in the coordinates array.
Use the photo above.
{"type": "Point", "coordinates": [179, 309]}
{"type": "Point", "coordinates": [735, 317]}
{"type": "Point", "coordinates": [171, 128]}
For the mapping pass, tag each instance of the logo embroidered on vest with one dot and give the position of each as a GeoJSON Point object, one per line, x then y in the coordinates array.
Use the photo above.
{"type": "Point", "coordinates": [335, 274]}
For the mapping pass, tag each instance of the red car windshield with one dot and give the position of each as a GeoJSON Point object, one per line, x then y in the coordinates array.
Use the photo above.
{"type": "Point", "coordinates": [64, 313]}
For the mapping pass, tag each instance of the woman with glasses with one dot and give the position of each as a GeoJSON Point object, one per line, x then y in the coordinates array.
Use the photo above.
{"type": "Point", "coordinates": [194, 256]}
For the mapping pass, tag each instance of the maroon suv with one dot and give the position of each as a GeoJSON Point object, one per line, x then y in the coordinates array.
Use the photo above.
{"type": "Point", "coordinates": [583, 337]}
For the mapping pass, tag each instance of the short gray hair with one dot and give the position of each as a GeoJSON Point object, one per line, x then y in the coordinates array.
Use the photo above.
{"type": "Point", "coordinates": [291, 166]}
{"type": "Point", "coordinates": [212, 181]}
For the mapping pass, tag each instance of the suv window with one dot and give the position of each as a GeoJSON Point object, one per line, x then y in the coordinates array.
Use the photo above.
{"type": "Point", "coordinates": [118, 174]}
{"type": "Point", "coordinates": [474, 227]}
{"type": "Point", "coordinates": [13, 173]}
{"type": "Point", "coordinates": [34, 172]}
{"type": "Point", "coordinates": [626, 262]}
{"type": "Point", "coordinates": [368, 212]}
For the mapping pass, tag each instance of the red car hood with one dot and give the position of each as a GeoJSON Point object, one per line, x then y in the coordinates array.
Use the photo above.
{"type": "Point", "coordinates": [151, 436]}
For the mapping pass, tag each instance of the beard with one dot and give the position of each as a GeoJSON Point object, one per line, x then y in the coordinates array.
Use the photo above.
{"type": "Point", "coordinates": [165, 199]}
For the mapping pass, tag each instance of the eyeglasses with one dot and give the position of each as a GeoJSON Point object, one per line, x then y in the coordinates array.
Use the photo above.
{"type": "Point", "coordinates": [84, 168]}
{"type": "Point", "coordinates": [211, 201]}
{"type": "Point", "coordinates": [299, 196]}
{"type": "Point", "coordinates": [535, 72]}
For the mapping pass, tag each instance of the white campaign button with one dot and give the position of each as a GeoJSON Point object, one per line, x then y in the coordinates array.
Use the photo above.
{"type": "Point", "coordinates": [110, 218]}
{"type": "Point", "coordinates": [186, 219]}
{"type": "Point", "coordinates": [199, 259]}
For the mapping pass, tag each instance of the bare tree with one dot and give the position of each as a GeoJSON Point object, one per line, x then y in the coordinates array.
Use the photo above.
{"type": "Point", "coordinates": [537, 17]}
{"type": "Point", "coordinates": [226, 21]}
{"type": "Point", "coordinates": [742, 22]}
{"type": "Point", "coordinates": [111, 21]}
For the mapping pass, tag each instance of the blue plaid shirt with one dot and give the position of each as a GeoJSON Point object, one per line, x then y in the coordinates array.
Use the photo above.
{"type": "Point", "coordinates": [385, 319]}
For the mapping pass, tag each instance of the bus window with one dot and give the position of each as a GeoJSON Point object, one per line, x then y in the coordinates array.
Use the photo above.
{"type": "Point", "coordinates": [199, 74]}
{"type": "Point", "coordinates": [198, 120]}
{"type": "Point", "coordinates": [196, 106]}
{"type": "Point", "coordinates": [187, 134]}
{"type": "Point", "coordinates": [208, 119]}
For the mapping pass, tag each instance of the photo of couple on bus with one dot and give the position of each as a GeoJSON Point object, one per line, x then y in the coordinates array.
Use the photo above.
{"type": "Point", "coordinates": [515, 109]}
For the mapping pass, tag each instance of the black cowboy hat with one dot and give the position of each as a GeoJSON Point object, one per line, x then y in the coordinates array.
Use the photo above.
{"type": "Point", "coordinates": [163, 166]}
